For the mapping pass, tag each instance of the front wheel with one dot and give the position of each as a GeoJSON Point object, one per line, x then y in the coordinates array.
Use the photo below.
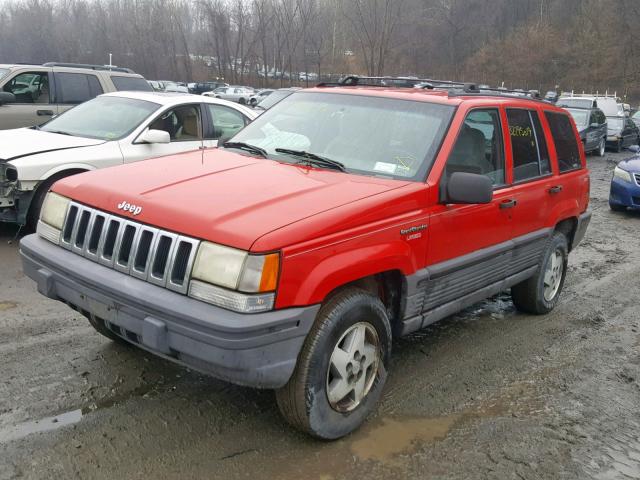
{"type": "Point", "coordinates": [540, 293]}
{"type": "Point", "coordinates": [341, 369]}
{"type": "Point", "coordinates": [601, 148]}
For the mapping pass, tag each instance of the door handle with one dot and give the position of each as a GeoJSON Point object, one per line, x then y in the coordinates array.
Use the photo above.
{"type": "Point", "coordinates": [508, 204]}
{"type": "Point", "coordinates": [44, 113]}
{"type": "Point", "coordinates": [556, 189]}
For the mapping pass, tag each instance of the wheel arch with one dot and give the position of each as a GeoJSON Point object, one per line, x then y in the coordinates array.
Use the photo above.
{"type": "Point", "coordinates": [568, 228]}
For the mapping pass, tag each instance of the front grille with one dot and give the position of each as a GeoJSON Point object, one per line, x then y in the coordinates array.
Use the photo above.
{"type": "Point", "coordinates": [637, 177]}
{"type": "Point", "coordinates": [156, 256]}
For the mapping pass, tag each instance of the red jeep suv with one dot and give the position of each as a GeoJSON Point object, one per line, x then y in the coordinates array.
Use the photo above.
{"type": "Point", "coordinates": [344, 216]}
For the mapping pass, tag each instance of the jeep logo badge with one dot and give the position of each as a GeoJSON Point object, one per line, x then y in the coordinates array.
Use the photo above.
{"type": "Point", "coordinates": [127, 207]}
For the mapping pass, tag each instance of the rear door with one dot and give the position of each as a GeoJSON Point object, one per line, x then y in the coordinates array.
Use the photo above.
{"type": "Point", "coordinates": [33, 91]}
{"type": "Point", "coordinates": [531, 171]}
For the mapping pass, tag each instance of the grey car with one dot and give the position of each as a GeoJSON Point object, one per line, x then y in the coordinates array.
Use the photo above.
{"type": "Point", "coordinates": [32, 94]}
{"type": "Point", "coordinates": [233, 93]}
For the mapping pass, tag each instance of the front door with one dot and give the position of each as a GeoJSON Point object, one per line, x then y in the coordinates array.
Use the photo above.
{"type": "Point", "coordinates": [224, 122]}
{"type": "Point", "coordinates": [33, 100]}
{"type": "Point", "coordinates": [184, 125]}
{"type": "Point", "coordinates": [469, 244]}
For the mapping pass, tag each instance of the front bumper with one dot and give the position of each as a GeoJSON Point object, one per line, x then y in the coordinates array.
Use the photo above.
{"type": "Point", "coordinates": [624, 194]}
{"type": "Point", "coordinates": [257, 350]}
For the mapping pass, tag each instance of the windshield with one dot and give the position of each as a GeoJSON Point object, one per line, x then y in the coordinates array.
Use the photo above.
{"type": "Point", "coordinates": [581, 117]}
{"type": "Point", "coordinates": [615, 123]}
{"type": "Point", "coordinates": [104, 118]}
{"type": "Point", "coordinates": [131, 84]}
{"type": "Point", "coordinates": [274, 97]}
{"type": "Point", "coordinates": [576, 102]}
{"type": "Point", "coordinates": [374, 136]}
{"type": "Point", "coordinates": [636, 116]}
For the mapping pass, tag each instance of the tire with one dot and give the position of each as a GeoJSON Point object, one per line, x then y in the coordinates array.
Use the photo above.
{"type": "Point", "coordinates": [619, 146]}
{"type": "Point", "coordinates": [536, 295]}
{"type": "Point", "coordinates": [305, 400]}
{"type": "Point", "coordinates": [102, 330]}
{"type": "Point", "coordinates": [242, 101]}
{"type": "Point", "coordinates": [33, 215]}
{"type": "Point", "coordinates": [617, 208]}
{"type": "Point", "coordinates": [601, 148]}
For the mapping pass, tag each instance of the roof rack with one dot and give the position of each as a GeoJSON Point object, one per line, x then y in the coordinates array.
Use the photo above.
{"type": "Point", "coordinates": [89, 66]}
{"type": "Point", "coordinates": [454, 88]}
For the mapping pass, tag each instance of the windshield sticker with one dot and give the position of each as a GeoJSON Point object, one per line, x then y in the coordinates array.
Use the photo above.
{"type": "Point", "coordinates": [385, 167]}
{"type": "Point", "coordinates": [404, 162]}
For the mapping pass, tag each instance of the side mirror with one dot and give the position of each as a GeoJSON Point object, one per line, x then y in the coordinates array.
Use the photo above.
{"type": "Point", "coordinates": [155, 136]}
{"type": "Point", "coordinates": [7, 97]}
{"type": "Point", "coordinates": [634, 148]}
{"type": "Point", "coordinates": [594, 125]}
{"type": "Point", "coordinates": [463, 188]}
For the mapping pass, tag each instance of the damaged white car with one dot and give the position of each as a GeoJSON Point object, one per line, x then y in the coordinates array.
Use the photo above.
{"type": "Point", "coordinates": [109, 130]}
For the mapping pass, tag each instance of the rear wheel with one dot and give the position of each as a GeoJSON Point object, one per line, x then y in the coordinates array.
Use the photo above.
{"type": "Point", "coordinates": [242, 101]}
{"type": "Point", "coordinates": [341, 370]}
{"type": "Point", "coordinates": [540, 293]}
{"type": "Point", "coordinates": [619, 146]}
{"type": "Point", "coordinates": [601, 148]}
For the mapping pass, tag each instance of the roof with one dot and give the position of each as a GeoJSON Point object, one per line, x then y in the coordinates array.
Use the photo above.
{"type": "Point", "coordinates": [178, 98]}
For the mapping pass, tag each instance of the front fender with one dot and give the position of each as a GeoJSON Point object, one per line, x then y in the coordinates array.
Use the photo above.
{"type": "Point", "coordinates": [66, 166]}
{"type": "Point", "coordinates": [309, 277]}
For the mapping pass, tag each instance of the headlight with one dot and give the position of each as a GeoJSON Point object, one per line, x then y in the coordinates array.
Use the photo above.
{"type": "Point", "coordinates": [248, 281]}
{"type": "Point", "coordinates": [622, 174]}
{"type": "Point", "coordinates": [54, 209]}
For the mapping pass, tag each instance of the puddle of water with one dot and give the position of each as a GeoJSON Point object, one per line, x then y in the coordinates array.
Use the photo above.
{"type": "Point", "coordinates": [17, 432]}
{"type": "Point", "coordinates": [7, 305]}
{"type": "Point", "coordinates": [396, 436]}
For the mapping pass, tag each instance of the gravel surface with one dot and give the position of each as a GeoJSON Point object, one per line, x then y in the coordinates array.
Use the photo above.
{"type": "Point", "coordinates": [489, 393]}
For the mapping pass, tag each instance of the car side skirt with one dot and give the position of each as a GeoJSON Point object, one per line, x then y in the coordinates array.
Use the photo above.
{"type": "Point", "coordinates": [443, 289]}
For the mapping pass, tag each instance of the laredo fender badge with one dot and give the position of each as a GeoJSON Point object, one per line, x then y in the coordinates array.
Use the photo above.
{"type": "Point", "coordinates": [414, 229]}
{"type": "Point", "coordinates": [127, 207]}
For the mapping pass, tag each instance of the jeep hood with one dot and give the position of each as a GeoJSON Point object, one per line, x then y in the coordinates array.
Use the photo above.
{"type": "Point", "coordinates": [219, 195]}
{"type": "Point", "coordinates": [22, 142]}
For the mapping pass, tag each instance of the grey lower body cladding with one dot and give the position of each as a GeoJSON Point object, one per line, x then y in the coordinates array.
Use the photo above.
{"type": "Point", "coordinates": [257, 350]}
{"type": "Point", "coordinates": [445, 288]}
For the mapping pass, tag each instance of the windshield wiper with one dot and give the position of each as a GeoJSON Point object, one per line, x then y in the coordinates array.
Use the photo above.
{"type": "Point", "coordinates": [247, 147]}
{"type": "Point", "coordinates": [59, 132]}
{"type": "Point", "coordinates": [313, 159]}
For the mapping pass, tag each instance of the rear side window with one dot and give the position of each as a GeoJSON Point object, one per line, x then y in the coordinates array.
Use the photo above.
{"type": "Point", "coordinates": [528, 145]}
{"type": "Point", "coordinates": [131, 84]}
{"type": "Point", "coordinates": [74, 88]}
{"type": "Point", "coordinates": [565, 141]}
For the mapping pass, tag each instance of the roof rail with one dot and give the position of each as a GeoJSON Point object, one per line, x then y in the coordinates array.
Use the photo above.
{"type": "Point", "coordinates": [454, 88]}
{"type": "Point", "coordinates": [89, 66]}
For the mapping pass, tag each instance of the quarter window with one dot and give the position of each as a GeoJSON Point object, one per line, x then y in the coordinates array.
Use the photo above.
{"type": "Point", "coordinates": [564, 140]}
{"type": "Point", "coordinates": [478, 148]}
{"type": "Point", "coordinates": [528, 145]}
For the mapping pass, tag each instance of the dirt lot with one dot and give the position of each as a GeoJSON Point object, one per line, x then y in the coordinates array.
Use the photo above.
{"type": "Point", "coordinates": [490, 393]}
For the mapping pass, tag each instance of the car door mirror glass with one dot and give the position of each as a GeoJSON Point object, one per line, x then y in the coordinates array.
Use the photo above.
{"type": "Point", "coordinates": [594, 125]}
{"type": "Point", "coordinates": [468, 188]}
{"type": "Point", "coordinates": [155, 136]}
{"type": "Point", "coordinates": [6, 97]}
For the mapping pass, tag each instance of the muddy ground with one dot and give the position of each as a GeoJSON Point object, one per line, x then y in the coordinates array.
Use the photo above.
{"type": "Point", "coordinates": [490, 393]}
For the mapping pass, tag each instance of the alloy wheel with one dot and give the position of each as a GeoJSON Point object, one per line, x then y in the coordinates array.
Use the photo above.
{"type": "Point", "coordinates": [353, 367]}
{"type": "Point", "coordinates": [553, 275]}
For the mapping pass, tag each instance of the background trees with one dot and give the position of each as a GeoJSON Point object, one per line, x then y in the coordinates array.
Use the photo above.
{"type": "Point", "coordinates": [576, 44]}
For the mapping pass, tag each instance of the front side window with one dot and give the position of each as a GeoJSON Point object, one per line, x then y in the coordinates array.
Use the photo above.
{"type": "Point", "coordinates": [29, 87]}
{"type": "Point", "coordinates": [564, 140]}
{"type": "Point", "coordinates": [478, 148]}
{"type": "Point", "coordinates": [105, 118]}
{"type": "Point", "coordinates": [528, 145]}
{"type": "Point", "coordinates": [226, 121]}
{"type": "Point", "coordinates": [182, 123]}
{"type": "Point", "coordinates": [3, 72]}
{"type": "Point", "coordinates": [74, 88]}
{"type": "Point", "coordinates": [369, 135]}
